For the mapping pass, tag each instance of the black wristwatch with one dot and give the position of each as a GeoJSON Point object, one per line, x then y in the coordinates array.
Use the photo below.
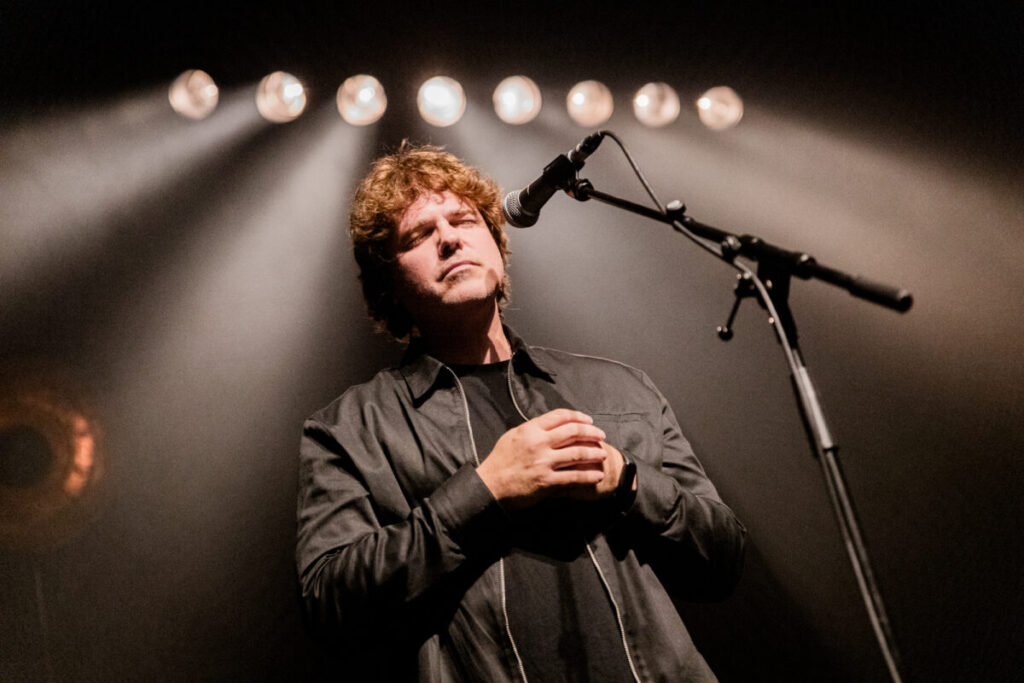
{"type": "Point", "coordinates": [624, 493]}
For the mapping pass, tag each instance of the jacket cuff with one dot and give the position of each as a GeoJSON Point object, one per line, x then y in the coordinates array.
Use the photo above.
{"type": "Point", "coordinates": [471, 515]}
{"type": "Point", "coordinates": [656, 496]}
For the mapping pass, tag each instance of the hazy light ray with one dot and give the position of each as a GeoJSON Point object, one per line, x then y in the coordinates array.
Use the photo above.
{"type": "Point", "coordinates": [884, 198]}
{"type": "Point", "coordinates": [209, 363]}
{"type": "Point", "coordinates": [236, 316]}
{"type": "Point", "coordinates": [539, 260]}
{"type": "Point", "coordinates": [63, 179]}
{"type": "Point", "coordinates": [524, 152]}
{"type": "Point", "coordinates": [885, 211]}
{"type": "Point", "coordinates": [220, 338]}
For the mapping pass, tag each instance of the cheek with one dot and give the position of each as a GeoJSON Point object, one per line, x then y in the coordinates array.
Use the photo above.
{"type": "Point", "coordinates": [409, 274]}
{"type": "Point", "coordinates": [490, 248]}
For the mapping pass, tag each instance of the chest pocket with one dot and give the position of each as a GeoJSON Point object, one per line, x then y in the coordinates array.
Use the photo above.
{"type": "Point", "coordinates": [631, 432]}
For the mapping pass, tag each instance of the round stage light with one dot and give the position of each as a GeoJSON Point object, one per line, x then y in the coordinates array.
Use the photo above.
{"type": "Point", "coordinates": [193, 94]}
{"type": "Point", "coordinates": [51, 457]}
{"type": "Point", "coordinates": [720, 108]}
{"type": "Point", "coordinates": [280, 97]}
{"type": "Point", "coordinates": [441, 101]}
{"type": "Point", "coordinates": [656, 104]}
{"type": "Point", "coordinates": [361, 100]}
{"type": "Point", "coordinates": [589, 103]}
{"type": "Point", "coordinates": [517, 100]}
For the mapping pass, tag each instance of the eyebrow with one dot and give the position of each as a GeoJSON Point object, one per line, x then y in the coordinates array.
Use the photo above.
{"type": "Point", "coordinates": [461, 212]}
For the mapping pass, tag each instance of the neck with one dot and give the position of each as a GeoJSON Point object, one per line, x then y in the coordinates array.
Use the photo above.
{"type": "Point", "coordinates": [469, 339]}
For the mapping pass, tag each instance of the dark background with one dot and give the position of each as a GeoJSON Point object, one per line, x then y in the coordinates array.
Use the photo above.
{"type": "Point", "coordinates": [193, 281]}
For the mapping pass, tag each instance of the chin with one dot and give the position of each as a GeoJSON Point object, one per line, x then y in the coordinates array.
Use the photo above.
{"type": "Point", "coordinates": [469, 300]}
{"type": "Point", "coordinates": [470, 295]}
{"type": "Point", "coordinates": [471, 289]}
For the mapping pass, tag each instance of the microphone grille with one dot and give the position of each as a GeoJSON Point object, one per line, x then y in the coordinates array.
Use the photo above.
{"type": "Point", "coordinates": [514, 213]}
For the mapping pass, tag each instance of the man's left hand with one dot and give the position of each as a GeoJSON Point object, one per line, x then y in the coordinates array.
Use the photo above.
{"type": "Point", "coordinates": [612, 466]}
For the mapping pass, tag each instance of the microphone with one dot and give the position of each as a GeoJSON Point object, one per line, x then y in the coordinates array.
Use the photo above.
{"type": "Point", "coordinates": [522, 207]}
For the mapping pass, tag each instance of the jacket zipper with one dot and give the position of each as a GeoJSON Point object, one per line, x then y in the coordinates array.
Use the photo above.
{"type": "Point", "coordinates": [590, 551]}
{"type": "Point", "coordinates": [618, 615]}
{"type": "Point", "coordinates": [501, 561]}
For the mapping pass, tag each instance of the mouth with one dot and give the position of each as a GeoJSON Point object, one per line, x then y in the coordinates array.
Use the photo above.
{"type": "Point", "coordinates": [456, 266]}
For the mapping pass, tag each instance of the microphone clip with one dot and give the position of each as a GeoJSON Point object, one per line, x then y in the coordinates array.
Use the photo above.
{"type": "Point", "coordinates": [579, 189]}
{"type": "Point", "coordinates": [586, 147]}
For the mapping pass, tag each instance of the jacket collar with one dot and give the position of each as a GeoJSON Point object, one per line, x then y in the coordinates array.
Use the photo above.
{"type": "Point", "coordinates": [422, 371]}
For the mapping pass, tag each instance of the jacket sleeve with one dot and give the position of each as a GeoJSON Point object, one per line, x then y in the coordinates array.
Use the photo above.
{"type": "Point", "coordinates": [678, 522]}
{"type": "Point", "coordinates": [365, 566]}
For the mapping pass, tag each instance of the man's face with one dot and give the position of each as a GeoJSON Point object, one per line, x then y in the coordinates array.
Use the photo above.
{"type": "Point", "coordinates": [446, 257]}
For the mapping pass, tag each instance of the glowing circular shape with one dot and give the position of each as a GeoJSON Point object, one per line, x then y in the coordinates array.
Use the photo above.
{"type": "Point", "coordinates": [193, 94]}
{"type": "Point", "coordinates": [517, 100]}
{"type": "Point", "coordinates": [589, 103]}
{"type": "Point", "coordinates": [361, 100]}
{"type": "Point", "coordinates": [280, 97]}
{"type": "Point", "coordinates": [656, 104]}
{"type": "Point", "coordinates": [720, 108]}
{"type": "Point", "coordinates": [441, 101]}
{"type": "Point", "coordinates": [51, 460]}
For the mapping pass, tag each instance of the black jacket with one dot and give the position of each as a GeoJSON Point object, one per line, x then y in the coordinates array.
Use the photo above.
{"type": "Point", "coordinates": [400, 542]}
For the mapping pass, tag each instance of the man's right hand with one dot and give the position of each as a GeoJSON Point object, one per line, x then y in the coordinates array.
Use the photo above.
{"type": "Point", "coordinates": [559, 452]}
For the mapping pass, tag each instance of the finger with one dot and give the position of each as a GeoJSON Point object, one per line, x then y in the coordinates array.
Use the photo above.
{"type": "Point", "coordinates": [559, 416]}
{"type": "Point", "coordinates": [576, 477]}
{"type": "Point", "coordinates": [577, 455]}
{"type": "Point", "coordinates": [572, 432]}
{"type": "Point", "coordinates": [586, 466]}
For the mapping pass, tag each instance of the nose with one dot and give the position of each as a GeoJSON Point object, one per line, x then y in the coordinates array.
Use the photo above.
{"type": "Point", "coordinates": [449, 239]}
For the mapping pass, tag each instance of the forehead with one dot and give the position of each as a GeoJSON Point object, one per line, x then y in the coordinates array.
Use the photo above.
{"type": "Point", "coordinates": [431, 205]}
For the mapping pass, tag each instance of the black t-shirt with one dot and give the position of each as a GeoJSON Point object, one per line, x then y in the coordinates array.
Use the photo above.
{"type": "Point", "coordinates": [559, 613]}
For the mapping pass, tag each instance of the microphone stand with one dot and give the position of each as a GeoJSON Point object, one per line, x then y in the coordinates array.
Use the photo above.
{"type": "Point", "coordinates": [776, 266]}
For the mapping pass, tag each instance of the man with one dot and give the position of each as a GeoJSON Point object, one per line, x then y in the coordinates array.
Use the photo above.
{"type": "Point", "coordinates": [489, 510]}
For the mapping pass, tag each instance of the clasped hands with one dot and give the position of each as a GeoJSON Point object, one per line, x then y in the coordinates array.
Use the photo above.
{"type": "Point", "coordinates": [560, 453]}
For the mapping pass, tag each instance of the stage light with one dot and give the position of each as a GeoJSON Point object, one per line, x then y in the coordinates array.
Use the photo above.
{"type": "Point", "coordinates": [656, 104]}
{"type": "Point", "coordinates": [361, 100]}
{"type": "Point", "coordinates": [441, 101]}
{"type": "Point", "coordinates": [517, 100]}
{"type": "Point", "coordinates": [720, 108]}
{"type": "Point", "coordinates": [589, 103]}
{"type": "Point", "coordinates": [280, 97]}
{"type": "Point", "coordinates": [51, 462]}
{"type": "Point", "coordinates": [193, 94]}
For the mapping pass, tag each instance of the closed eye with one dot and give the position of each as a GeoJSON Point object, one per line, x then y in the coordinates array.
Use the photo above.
{"type": "Point", "coordinates": [413, 238]}
{"type": "Point", "coordinates": [463, 219]}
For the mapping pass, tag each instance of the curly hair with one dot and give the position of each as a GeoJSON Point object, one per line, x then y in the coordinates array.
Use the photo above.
{"type": "Point", "coordinates": [393, 184]}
